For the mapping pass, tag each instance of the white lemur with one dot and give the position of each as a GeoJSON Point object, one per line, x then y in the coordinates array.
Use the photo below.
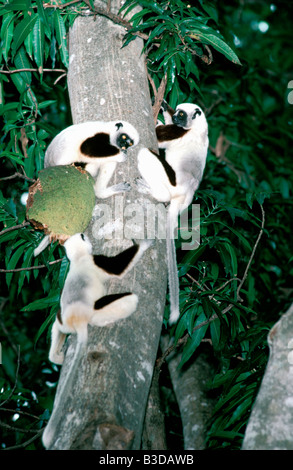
{"type": "Point", "coordinates": [175, 174]}
{"type": "Point", "coordinates": [97, 146]}
{"type": "Point", "coordinates": [83, 302]}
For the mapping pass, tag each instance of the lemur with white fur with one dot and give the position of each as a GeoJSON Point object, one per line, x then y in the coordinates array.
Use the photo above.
{"type": "Point", "coordinates": [173, 175]}
{"type": "Point", "coordinates": [97, 146]}
{"type": "Point", "coordinates": [83, 302]}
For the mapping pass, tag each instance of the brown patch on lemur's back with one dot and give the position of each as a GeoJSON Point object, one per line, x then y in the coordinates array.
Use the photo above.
{"type": "Point", "coordinates": [108, 299]}
{"type": "Point", "coordinates": [116, 264]}
{"type": "Point", "coordinates": [168, 169]}
{"type": "Point", "coordinates": [98, 146]}
{"type": "Point", "coordinates": [170, 132]}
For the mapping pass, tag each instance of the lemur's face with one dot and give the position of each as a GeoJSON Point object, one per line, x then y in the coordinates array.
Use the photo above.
{"type": "Point", "coordinates": [186, 115]}
{"type": "Point", "coordinates": [124, 141]}
{"type": "Point", "coordinates": [125, 136]}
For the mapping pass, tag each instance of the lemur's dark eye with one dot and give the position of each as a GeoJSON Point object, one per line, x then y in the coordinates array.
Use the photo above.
{"type": "Point", "coordinates": [181, 114]}
{"type": "Point", "coordinates": [123, 136]}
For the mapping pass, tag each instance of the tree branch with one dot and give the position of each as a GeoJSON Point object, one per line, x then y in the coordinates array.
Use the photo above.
{"type": "Point", "coordinates": [10, 72]}
{"type": "Point", "coordinates": [30, 268]}
{"type": "Point", "coordinates": [100, 11]}
{"type": "Point", "coordinates": [15, 227]}
{"type": "Point", "coordinates": [18, 175]}
{"type": "Point", "coordinates": [253, 251]}
{"type": "Point", "coordinates": [26, 443]}
{"type": "Point", "coordinates": [12, 428]}
{"type": "Point", "coordinates": [20, 412]}
{"type": "Point", "coordinates": [159, 95]}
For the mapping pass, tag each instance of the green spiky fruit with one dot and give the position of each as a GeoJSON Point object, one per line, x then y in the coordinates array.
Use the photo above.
{"type": "Point", "coordinates": [61, 201]}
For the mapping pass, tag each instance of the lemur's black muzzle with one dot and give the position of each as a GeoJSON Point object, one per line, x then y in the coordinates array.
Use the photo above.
{"type": "Point", "coordinates": [124, 141]}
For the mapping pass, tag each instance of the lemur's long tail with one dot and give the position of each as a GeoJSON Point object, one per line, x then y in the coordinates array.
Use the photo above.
{"type": "Point", "coordinates": [172, 222]}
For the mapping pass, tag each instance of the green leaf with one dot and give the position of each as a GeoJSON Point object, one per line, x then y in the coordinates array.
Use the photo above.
{"type": "Point", "coordinates": [19, 83]}
{"type": "Point", "coordinates": [138, 17]}
{"type": "Point", "coordinates": [233, 257]}
{"type": "Point", "coordinates": [8, 208]}
{"type": "Point", "coordinates": [13, 262]}
{"type": "Point", "coordinates": [174, 95]}
{"type": "Point", "coordinates": [63, 272]}
{"type": "Point", "coordinates": [171, 72]}
{"type": "Point", "coordinates": [47, 322]}
{"type": "Point", "coordinates": [211, 11]}
{"type": "Point", "coordinates": [39, 44]}
{"type": "Point", "coordinates": [61, 36]}
{"type": "Point", "coordinates": [18, 5]}
{"type": "Point", "coordinates": [42, 304]}
{"type": "Point", "coordinates": [229, 435]}
{"type": "Point", "coordinates": [8, 236]}
{"type": "Point", "coordinates": [195, 340]}
{"type": "Point", "coordinates": [215, 329]}
{"type": "Point", "coordinates": [42, 13]}
{"type": "Point", "coordinates": [217, 43]}
{"type": "Point", "coordinates": [228, 257]}
{"type": "Point", "coordinates": [153, 6]}
{"type": "Point", "coordinates": [130, 4]}
{"type": "Point", "coordinates": [28, 43]}
{"type": "Point", "coordinates": [7, 34]}
{"type": "Point", "coordinates": [44, 104]}
{"type": "Point", "coordinates": [1, 96]}
{"type": "Point", "coordinates": [12, 156]}
{"type": "Point", "coordinates": [38, 157]}
{"type": "Point", "coordinates": [241, 410]}
{"type": "Point", "coordinates": [22, 30]}
{"type": "Point", "coordinates": [26, 263]}
{"type": "Point", "coordinates": [260, 197]}
{"type": "Point", "coordinates": [29, 163]}
{"type": "Point", "coordinates": [207, 306]}
{"type": "Point", "coordinates": [155, 32]}
{"type": "Point", "coordinates": [128, 38]}
{"type": "Point", "coordinates": [244, 241]}
{"type": "Point", "coordinates": [21, 61]}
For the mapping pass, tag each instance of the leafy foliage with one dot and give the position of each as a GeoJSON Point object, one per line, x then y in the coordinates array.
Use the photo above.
{"type": "Point", "coordinates": [32, 109]}
{"type": "Point", "coordinates": [177, 33]}
{"type": "Point", "coordinates": [237, 282]}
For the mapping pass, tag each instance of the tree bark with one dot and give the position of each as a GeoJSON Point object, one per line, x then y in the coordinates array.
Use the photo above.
{"type": "Point", "coordinates": [190, 384]}
{"type": "Point", "coordinates": [154, 435]}
{"type": "Point", "coordinates": [108, 401]}
{"type": "Point", "coordinates": [270, 426]}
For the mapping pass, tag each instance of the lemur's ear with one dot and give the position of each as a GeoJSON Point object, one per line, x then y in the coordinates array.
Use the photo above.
{"type": "Point", "coordinates": [119, 125]}
{"type": "Point", "coordinates": [197, 112]}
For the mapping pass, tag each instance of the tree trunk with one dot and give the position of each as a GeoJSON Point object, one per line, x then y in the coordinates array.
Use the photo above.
{"type": "Point", "coordinates": [190, 384]}
{"type": "Point", "coordinates": [270, 426]}
{"type": "Point", "coordinates": [108, 401]}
